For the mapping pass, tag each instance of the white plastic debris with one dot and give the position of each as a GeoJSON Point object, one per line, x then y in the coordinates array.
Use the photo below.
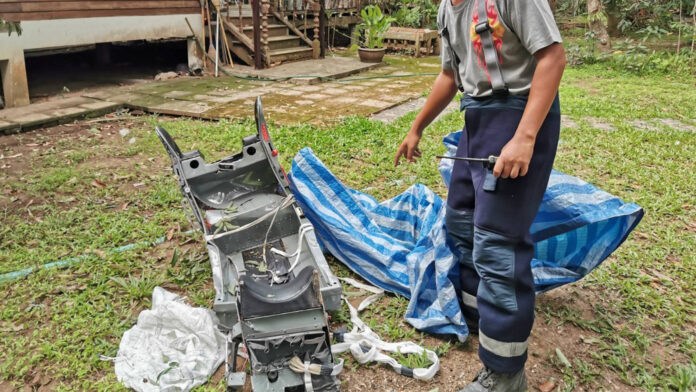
{"type": "Point", "coordinates": [366, 346]}
{"type": "Point", "coordinates": [123, 132]}
{"type": "Point", "coordinates": [173, 347]}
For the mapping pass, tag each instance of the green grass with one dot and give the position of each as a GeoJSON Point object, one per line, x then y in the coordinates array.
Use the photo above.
{"type": "Point", "coordinates": [638, 316]}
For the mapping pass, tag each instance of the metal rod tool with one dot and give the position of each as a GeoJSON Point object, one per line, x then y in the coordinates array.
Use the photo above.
{"type": "Point", "coordinates": [490, 181]}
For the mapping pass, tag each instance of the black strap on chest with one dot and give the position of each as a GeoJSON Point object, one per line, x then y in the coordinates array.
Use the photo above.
{"type": "Point", "coordinates": [490, 54]}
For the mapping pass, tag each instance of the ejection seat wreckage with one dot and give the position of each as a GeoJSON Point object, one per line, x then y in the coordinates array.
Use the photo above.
{"type": "Point", "coordinates": [272, 283]}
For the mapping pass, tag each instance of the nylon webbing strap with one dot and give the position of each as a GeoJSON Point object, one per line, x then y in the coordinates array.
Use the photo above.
{"type": "Point", "coordinates": [490, 55]}
{"type": "Point", "coordinates": [483, 29]}
{"type": "Point", "coordinates": [457, 78]}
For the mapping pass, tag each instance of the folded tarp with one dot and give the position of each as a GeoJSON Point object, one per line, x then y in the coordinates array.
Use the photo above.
{"type": "Point", "coordinates": [401, 244]}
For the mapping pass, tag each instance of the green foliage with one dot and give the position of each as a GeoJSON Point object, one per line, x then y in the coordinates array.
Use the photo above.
{"type": "Point", "coordinates": [683, 378]}
{"type": "Point", "coordinates": [373, 26]}
{"type": "Point", "coordinates": [10, 27]}
{"type": "Point", "coordinates": [630, 15]}
{"type": "Point", "coordinates": [415, 13]}
{"type": "Point", "coordinates": [633, 56]}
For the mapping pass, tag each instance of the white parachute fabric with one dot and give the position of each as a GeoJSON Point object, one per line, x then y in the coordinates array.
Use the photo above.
{"type": "Point", "coordinates": [366, 346]}
{"type": "Point", "coordinates": [173, 347]}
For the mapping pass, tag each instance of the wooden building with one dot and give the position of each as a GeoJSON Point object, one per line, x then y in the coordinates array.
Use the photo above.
{"type": "Point", "coordinates": [49, 26]}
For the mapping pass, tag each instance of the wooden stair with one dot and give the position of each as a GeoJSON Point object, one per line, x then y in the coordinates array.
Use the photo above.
{"type": "Point", "coordinates": [285, 43]}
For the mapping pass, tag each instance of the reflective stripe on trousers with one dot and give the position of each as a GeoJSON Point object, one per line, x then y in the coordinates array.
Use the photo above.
{"type": "Point", "coordinates": [490, 231]}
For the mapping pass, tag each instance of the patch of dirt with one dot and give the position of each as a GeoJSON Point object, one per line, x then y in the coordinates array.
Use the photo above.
{"type": "Point", "coordinates": [26, 152]}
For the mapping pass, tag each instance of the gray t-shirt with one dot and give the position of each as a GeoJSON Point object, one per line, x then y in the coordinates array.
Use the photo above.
{"type": "Point", "coordinates": [519, 28]}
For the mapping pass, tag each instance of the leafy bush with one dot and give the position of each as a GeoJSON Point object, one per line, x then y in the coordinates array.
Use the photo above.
{"type": "Point", "coordinates": [373, 26]}
{"type": "Point", "coordinates": [630, 15]}
{"type": "Point", "coordinates": [415, 13]}
{"type": "Point", "coordinates": [633, 56]}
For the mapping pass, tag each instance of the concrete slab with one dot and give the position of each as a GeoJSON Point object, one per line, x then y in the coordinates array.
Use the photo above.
{"type": "Point", "coordinates": [8, 127]}
{"type": "Point", "coordinates": [390, 115]}
{"type": "Point", "coordinates": [124, 97]}
{"type": "Point", "coordinates": [309, 88]}
{"type": "Point", "coordinates": [32, 120]}
{"type": "Point", "coordinates": [334, 91]}
{"type": "Point", "coordinates": [290, 93]}
{"type": "Point", "coordinates": [330, 67]}
{"type": "Point", "coordinates": [567, 122]}
{"type": "Point", "coordinates": [345, 99]}
{"type": "Point", "coordinates": [69, 111]}
{"type": "Point", "coordinates": [194, 109]}
{"type": "Point", "coordinates": [223, 99]}
{"type": "Point", "coordinates": [52, 112]}
{"type": "Point", "coordinates": [644, 125]}
{"type": "Point", "coordinates": [676, 124]}
{"type": "Point", "coordinates": [598, 123]}
{"type": "Point", "coordinates": [101, 105]}
{"type": "Point", "coordinates": [176, 94]}
{"type": "Point", "coordinates": [316, 96]}
{"type": "Point", "coordinates": [373, 103]}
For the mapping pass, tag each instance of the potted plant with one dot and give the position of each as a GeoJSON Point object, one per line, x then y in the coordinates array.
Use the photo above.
{"type": "Point", "coordinates": [372, 28]}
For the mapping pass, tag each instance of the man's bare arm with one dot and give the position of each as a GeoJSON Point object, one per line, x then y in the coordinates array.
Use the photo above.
{"type": "Point", "coordinates": [515, 157]}
{"type": "Point", "coordinates": [444, 90]}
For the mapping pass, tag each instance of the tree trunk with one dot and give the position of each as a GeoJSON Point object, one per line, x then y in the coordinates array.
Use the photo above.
{"type": "Point", "coordinates": [613, 18]}
{"type": "Point", "coordinates": [597, 21]}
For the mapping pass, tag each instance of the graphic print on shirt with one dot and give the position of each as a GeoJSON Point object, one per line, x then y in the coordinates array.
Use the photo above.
{"type": "Point", "coordinates": [497, 31]}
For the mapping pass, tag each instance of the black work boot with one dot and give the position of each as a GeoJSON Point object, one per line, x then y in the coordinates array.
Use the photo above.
{"type": "Point", "coordinates": [489, 381]}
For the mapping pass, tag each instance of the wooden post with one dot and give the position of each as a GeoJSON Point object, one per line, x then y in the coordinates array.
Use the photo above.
{"type": "Point", "coordinates": [264, 32]}
{"type": "Point", "coordinates": [316, 44]}
{"type": "Point", "coordinates": [14, 80]}
{"type": "Point", "coordinates": [323, 41]}
{"type": "Point", "coordinates": [258, 59]}
{"type": "Point", "coordinates": [241, 20]}
{"type": "Point", "coordinates": [294, 11]}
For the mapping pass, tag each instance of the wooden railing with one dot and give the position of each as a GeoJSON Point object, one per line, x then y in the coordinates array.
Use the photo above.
{"type": "Point", "coordinates": [240, 15]}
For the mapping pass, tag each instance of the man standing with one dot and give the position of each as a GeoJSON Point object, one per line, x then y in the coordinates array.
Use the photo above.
{"type": "Point", "coordinates": [507, 59]}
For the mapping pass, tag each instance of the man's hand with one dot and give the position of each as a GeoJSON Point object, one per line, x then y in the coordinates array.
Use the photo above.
{"type": "Point", "coordinates": [440, 96]}
{"type": "Point", "coordinates": [408, 148]}
{"type": "Point", "coordinates": [514, 158]}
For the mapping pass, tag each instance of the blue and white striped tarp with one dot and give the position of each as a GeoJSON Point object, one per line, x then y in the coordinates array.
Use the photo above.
{"type": "Point", "coordinates": [401, 244]}
{"type": "Point", "coordinates": [578, 226]}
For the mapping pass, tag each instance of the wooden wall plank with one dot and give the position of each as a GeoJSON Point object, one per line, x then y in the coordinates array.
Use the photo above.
{"type": "Point", "coordinates": [47, 15]}
{"type": "Point", "coordinates": [89, 5]}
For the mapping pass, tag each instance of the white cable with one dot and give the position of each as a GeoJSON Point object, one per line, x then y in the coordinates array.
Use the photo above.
{"type": "Point", "coordinates": [301, 232]}
{"type": "Point", "coordinates": [284, 203]}
{"type": "Point", "coordinates": [304, 229]}
{"type": "Point", "coordinates": [362, 336]}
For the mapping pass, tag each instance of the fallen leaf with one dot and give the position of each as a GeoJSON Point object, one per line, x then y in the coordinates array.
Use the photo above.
{"type": "Point", "coordinates": [98, 183]}
{"type": "Point", "coordinates": [170, 234]}
{"type": "Point", "coordinates": [36, 381]}
{"type": "Point", "coordinates": [548, 386]}
{"type": "Point", "coordinates": [562, 357]}
{"type": "Point", "coordinates": [124, 206]}
{"type": "Point", "coordinates": [97, 252]}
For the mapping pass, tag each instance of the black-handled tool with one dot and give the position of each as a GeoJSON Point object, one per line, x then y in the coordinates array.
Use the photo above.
{"type": "Point", "coordinates": [490, 181]}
